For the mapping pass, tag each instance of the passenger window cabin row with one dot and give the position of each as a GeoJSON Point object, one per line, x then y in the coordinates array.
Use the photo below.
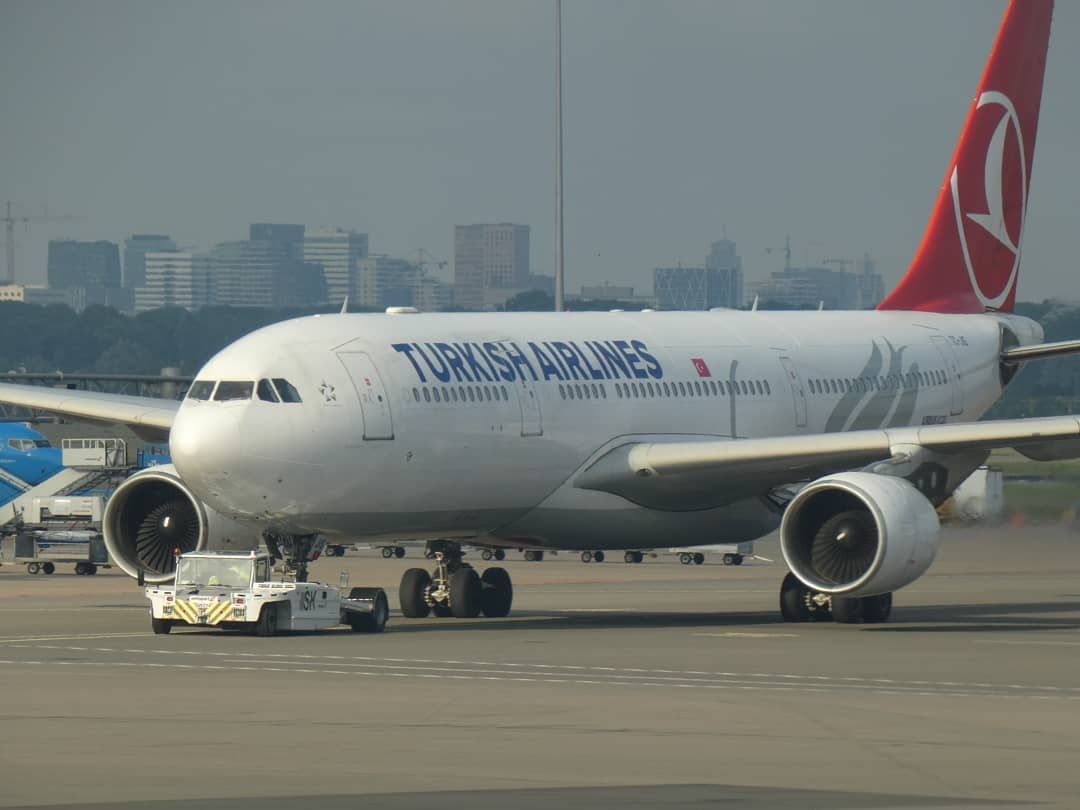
{"type": "Point", "coordinates": [889, 382]}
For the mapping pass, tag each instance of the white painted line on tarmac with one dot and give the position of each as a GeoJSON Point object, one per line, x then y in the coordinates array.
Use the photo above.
{"type": "Point", "coordinates": [1047, 643]}
{"type": "Point", "coordinates": [746, 635]}
{"type": "Point", "coordinates": [523, 678]}
{"type": "Point", "coordinates": [20, 639]}
{"type": "Point", "coordinates": [565, 670]}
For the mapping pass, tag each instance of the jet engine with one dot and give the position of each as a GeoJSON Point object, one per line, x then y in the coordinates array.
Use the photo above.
{"type": "Point", "coordinates": [859, 534]}
{"type": "Point", "coordinates": [154, 513]}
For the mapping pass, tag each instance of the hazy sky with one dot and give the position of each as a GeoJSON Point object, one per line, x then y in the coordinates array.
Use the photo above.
{"type": "Point", "coordinates": [830, 121]}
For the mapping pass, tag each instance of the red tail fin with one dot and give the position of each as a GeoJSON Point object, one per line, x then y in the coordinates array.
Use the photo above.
{"type": "Point", "coordinates": [970, 255]}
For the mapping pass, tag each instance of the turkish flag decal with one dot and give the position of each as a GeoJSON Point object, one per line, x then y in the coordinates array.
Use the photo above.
{"type": "Point", "coordinates": [701, 366]}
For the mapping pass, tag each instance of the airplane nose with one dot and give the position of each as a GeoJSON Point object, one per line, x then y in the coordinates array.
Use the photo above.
{"type": "Point", "coordinates": [204, 445]}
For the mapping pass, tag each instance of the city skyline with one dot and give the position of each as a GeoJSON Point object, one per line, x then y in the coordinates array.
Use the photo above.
{"type": "Point", "coordinates": [763, 119]}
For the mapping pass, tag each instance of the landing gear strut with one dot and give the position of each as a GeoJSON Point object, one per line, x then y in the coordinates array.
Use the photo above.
{"type": "Point", "coordinates": [801, 604]}
{"type": "Point", "coordinates": [295, 551]}
{"type": "Point", "coordinates": [454, 588]}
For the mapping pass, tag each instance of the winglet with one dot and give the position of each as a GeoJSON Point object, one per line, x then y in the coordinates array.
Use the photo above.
{"type": "Point", "coordinates": [345, 306]}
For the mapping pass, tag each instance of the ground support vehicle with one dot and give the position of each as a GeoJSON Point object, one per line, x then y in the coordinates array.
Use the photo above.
{"type": "Point", "coordinates": [730, 553]}
{"type": "Point", "coordinates": [235, 591]}
{"type": "Point", "coordinates": [54, 530]}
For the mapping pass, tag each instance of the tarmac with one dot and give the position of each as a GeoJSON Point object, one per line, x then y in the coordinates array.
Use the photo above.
{"type": "Point", "coordinates": [610, 685]}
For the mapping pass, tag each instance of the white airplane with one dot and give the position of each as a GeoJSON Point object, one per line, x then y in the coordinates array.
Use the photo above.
{"type": "Point", "coordinates": [587, 431]}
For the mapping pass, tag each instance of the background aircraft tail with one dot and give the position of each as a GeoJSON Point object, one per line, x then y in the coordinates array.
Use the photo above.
{"type": "Point", "coordinates": [969, 259]}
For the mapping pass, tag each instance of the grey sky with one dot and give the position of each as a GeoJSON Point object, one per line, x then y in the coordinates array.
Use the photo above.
{"type": "Point", "coordinates": [830, 120]}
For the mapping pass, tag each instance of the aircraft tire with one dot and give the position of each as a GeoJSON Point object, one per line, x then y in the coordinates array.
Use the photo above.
{"type": "Point", "coordinates": [876, 609]}
{"type": "Point", "coordinates": [414, 583]}
{"type": "Point", "coordinates": [161, 626]}
{"type": "Point", "coordinates": [793, 600]}
{"type": "Point", "coordinates": [441, 611]}
{"type": "Point", "coordinates": [847, 610]}
{"type": "Point", "coordinates": [466, 591]}
{"type": "Point", "coordinates": [497, 593]}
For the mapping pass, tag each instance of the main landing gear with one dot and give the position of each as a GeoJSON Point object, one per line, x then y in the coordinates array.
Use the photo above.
{"type": "Point", "coordinates": [454, 588]}
{"type": "Point", "coordinates": [800, 604]}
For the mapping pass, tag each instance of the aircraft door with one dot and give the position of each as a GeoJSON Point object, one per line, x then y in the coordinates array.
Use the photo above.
{"type": "Point", "coordinates": [798, 391]}
{"type": "Point", "coordinates": [529, 400]}
{"type": "Point", "coordinates": [375, 405]}
{"type": "Point", "coordinates": [952, 369]}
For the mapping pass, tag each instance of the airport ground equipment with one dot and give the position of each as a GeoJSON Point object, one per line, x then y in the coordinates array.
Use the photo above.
{"type": "Point", "coordinates": [236, 591]}
{"type": "Point", "coordinates": [730, 553]}
{"type": "Point", "coordinates": [58, 529]}
{"type": "Point", "coordinates": [592, 556]}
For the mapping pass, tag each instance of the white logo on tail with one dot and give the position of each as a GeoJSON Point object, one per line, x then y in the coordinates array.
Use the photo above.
{"type": "Point", "coordinates": [993, 221]}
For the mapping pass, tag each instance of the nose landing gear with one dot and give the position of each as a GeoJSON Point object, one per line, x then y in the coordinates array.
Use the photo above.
{"type": "Point", "coordinates": [454, 588]}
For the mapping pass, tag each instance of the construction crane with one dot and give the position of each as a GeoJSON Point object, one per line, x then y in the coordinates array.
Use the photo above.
{"type": "Point", "coordinates": [9, 219]}
{"type": "Point", "coordinates": [423, 263]}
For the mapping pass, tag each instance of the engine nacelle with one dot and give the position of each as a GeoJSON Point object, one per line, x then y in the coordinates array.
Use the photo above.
{"type": "Point", "coordinates": [859, 534]}
{"type": "Point", "coordinates": [153, 513]}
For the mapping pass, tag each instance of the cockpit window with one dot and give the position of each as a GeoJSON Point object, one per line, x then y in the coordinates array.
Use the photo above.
{"type": "Point", "coordinates": [228, 390]}
{"type": "Point", "coordinates": [286, 391]}
{"type": "Point", "coordinates": [41, 443]}
{"type": "Point", "coordinates": [201, 390]}
{"type": "Point", "coordinates": [265, 391]}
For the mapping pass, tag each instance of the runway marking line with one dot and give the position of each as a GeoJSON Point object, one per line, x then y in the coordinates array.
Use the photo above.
{"type": "Point", "coordinates": [19, 639]}
{"type": "Point", "coordinates": [563, 671]}
{"type": "Point", "coordinates": [745, 635]}
{"type": "Point", "coordinates": [521, 679]}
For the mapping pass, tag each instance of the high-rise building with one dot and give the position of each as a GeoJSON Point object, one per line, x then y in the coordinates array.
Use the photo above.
{"type": "Point", "coordinates": [388, 282]}
{"type": "Point", "coordinates": [245, 273]}
{"type": "Point", "coordinates": [689, 288]}
{"type": "Point", "coordinates": [135, 250]}
{"type": "Point", "coordinates": [174, 279]}
{"type": "Point", "coordinates": [871, 285]}
{"type": "Point", "coordinates": [83, 264]}
{"type": "Point", "coordinates": [489, 257]}
{"type": "Point", "coordinates": [809, 288]}
{"type": "Point", "coordinates": [290, 236]}
{"type": "Point", "coordinates": [724, 258]}
{"type": "Point", "coordinates": [338, 252]}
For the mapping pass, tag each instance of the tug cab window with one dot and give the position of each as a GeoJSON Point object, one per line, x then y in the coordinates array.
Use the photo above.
{"type": "Point", "coordinates": [230, 391]}
{"type": "Point", "coordinates": [286, 390]}
{"type": "Point", "coordinates": [201, 390]}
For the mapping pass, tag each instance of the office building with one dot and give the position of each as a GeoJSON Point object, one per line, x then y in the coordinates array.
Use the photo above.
{"type": "Point", "coordinates": [83, 264]}
{"type": "Point", "coordinates": [491, 263]}
{"type": "Point", "coordinates": [338, 252]}
{"type": "Point", "coordinates": [690, 288]}
{"type": "Point", "coordinates": [174, 279]}
{"type": "Point", "coordinates": [135, 250]}
{"type": "Point", "coordinates": [724, 258]}
{"type": "Point", "coordinates": [389, 282]}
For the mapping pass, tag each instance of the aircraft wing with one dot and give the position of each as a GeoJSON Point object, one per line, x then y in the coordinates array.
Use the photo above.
{"type": "Point", "coordinates": [150, 417]}
{"type": "Point", "coordinates": [682, 475]}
